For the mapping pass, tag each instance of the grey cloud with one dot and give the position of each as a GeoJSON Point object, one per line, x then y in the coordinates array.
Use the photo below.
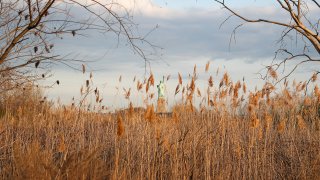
{"type": "Point", "coordinates": [193, 37]}
{"type": "Point", "coordinates": [198, 33]}
{"type": "Point", "coordinates": [193, 33]}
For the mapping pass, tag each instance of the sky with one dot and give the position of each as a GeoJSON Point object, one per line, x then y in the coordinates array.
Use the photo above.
{"type": "Point", "coordinates": [188, 33]}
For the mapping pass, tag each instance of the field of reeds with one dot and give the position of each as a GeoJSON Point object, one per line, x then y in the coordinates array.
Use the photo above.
{"type": "Point", "coordinates": [233, 133]}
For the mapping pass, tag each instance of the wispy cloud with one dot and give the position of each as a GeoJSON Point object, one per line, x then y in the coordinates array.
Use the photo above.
{"type": "Point", "coordinates": [188, 36]}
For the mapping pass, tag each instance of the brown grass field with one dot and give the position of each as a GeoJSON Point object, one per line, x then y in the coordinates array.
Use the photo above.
{"type": "Point", "coordinates": [232, 134]}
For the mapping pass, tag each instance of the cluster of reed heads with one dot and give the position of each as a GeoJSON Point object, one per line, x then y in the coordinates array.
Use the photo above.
{"type": "Point", "coordinates": [221, 132]}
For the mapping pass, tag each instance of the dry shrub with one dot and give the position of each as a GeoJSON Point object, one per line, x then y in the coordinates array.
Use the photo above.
{"type": "Point", "coordinates": [262, 135]}
{"type": "Point", "coordinates": [120, 129]}
{"type": "Point", "coordinates": [281, 126]}
{"type": "Point", "coordinates": [255, 122]}
{"type": "Point", "coordinates": [150, 114]}
{"type": "Point", "coordinates": [161, 105]}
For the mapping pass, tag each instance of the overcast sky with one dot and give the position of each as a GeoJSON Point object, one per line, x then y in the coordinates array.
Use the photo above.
{"type": "Point", "coordinates": [189, 33]}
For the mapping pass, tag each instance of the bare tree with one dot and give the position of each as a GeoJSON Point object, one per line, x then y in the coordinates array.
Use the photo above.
{"type": "Point", "coordinates": [299, 22]}
{"type": "Point", "coordinates": [29, 27]}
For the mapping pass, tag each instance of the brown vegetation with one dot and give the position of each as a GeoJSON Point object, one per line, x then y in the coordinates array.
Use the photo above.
{"type": "Point", "coordinates": [272, 135]}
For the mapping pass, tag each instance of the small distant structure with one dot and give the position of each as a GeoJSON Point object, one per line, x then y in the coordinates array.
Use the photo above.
{"type": "Point", "coordinates": [161, 103]}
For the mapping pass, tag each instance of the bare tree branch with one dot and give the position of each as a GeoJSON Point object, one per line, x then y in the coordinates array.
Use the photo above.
{"type": "Point", "coordinates": [299, 26]}
{"type": "Point", "coordinates": [28, 29]}
{"type": "Point", "coordinates": [299, 23]}
{"type": "Point", "coordinates": [316, 3]}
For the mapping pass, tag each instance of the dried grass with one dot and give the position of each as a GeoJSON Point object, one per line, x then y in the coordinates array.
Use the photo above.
{"type": "Point", "coordinates": [262, 135]}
